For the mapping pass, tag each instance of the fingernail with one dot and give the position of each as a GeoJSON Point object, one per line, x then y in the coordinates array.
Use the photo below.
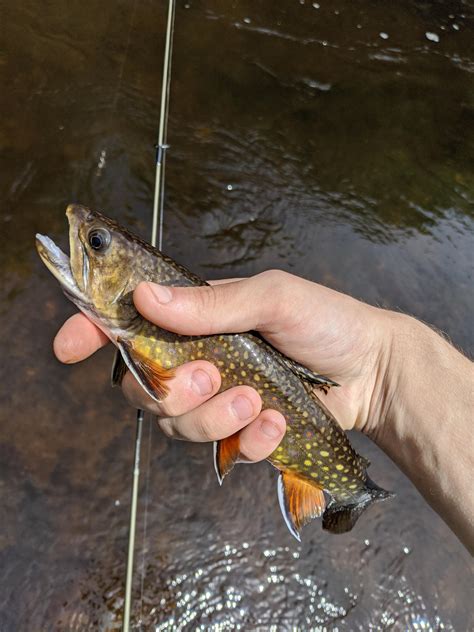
{"type": "Point", "coordinates": [270, 429]}
{"type": "Point", "coordinates": [161, 293]}
{"type": "Point", "coordinates": [242, 407]}
{"type": "Point", "coordinates": [202, 383]}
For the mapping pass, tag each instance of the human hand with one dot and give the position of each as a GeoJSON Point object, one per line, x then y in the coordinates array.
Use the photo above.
{"type": "Point", "coordinates": [331, 333]}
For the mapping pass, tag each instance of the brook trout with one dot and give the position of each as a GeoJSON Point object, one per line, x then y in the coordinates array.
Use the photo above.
{"type": "Point", "coordinates": [319, 471]}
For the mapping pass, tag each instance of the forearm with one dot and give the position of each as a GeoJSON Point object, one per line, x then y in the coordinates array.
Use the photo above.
{"type": "Point", "coordinates": [427, 420]}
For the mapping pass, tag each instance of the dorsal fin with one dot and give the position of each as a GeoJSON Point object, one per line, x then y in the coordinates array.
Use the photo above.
{"type": "Point", "coordinates": [151, 375]}
{"type": "Point", "coordinates": [300, 501]}
{"type": "Point", "coordinates": [306, 374]}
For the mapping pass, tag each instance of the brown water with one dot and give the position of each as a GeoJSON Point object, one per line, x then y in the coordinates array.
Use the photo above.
{"type": "Point", "coordinates": [335, 141]}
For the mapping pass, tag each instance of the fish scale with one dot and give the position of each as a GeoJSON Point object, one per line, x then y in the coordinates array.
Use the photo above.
{"type": "Point", "coordinates": [320, 472]}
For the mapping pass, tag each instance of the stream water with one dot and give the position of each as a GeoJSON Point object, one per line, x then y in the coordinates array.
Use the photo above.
{"type": "Point", "coordinates": [331, 139]}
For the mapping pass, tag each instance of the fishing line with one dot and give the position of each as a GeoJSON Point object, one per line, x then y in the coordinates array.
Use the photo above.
{"type": "Point", "coordinates": [156, 235]}
{"type": "Point", "coordinates": [145, 519]}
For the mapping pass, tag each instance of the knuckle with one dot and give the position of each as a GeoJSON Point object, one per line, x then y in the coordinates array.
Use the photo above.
{"type": "Point", "coordinates": [167, 426]}
{"type": "Point", "coordinates": [206, 300]}
{"type": "Point", "coordinates": [168, 407]}
{"type": "Point", "coordinates": [251, 453]}
{"type": "Point", "coordinates": [275, 278]}
{"type": "Point", "coordinates": [274, 296]}
{"type": "Point", "coordinates": [206, 428]}
{"type": "Point", "coordinates": [201, 306]}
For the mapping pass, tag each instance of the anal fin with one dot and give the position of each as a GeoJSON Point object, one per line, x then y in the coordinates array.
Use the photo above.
{"type": "Point", "coordinates": [300, 501]}
{"type": "Point", "coordinates": [149, 373]}
{"type": "Point", "coordinates": [226, 455]}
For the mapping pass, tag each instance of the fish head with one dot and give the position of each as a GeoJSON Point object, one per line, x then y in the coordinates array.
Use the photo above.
{"type": "Point", "coordinates": [103, 268]}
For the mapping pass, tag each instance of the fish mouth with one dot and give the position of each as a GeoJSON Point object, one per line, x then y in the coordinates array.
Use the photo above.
{"type": "Point", "coordinates": [59, 264]}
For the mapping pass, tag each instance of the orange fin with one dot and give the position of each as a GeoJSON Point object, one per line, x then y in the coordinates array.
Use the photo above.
{"type": "Point", "coordinates": [226, 455]}
{"type": "Point", "coordinates": [300, 501]}
{"type": "Point", "coordinates": [151, 375]}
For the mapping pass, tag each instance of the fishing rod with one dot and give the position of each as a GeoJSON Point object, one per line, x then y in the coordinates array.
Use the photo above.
{"type": "Point", "coordinates": [156, 239]}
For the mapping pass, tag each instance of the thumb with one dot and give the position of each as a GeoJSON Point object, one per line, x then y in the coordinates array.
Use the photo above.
{"type": "Point", "coordinates": [253, 303]}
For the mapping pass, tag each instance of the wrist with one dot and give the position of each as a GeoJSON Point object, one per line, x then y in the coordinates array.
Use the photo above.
{"type": "Point", "coordinates": [418, 369]}
{"type": "Point", "coordinates": [424, 408]}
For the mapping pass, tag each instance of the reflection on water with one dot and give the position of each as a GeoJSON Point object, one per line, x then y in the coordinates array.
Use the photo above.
{"type": "Point", "coordinates": [333, 140]}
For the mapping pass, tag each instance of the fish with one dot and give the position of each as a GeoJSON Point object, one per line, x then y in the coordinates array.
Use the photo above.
{"type": "Point", "coordinates": [319, 472]}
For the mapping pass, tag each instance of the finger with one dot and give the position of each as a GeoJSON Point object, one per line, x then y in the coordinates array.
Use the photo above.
{"type": "Point", "coordinates": [77, 339]}
{"type": "Point", "coordinates": [192, 385]}
{"type": "Point", "coordinates": [261, 437]}
{"type": "Point", "coordinates": [220, 417]}
{"type": "Point", "coordinates": [222, 308]}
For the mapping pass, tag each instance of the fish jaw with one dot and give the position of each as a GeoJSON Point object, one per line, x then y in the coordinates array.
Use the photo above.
{"type": "Point", "coordinates": [77, 216]}
{"type": "Point", "coordinates": [58, 263]}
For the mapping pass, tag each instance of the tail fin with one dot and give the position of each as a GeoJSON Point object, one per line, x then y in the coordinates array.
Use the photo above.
{"type": "Point", "coordinates": [340, 517]}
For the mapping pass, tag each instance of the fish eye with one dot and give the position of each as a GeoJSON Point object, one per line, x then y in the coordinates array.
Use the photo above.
{"type": "Point", "coordinates": [99, 239]}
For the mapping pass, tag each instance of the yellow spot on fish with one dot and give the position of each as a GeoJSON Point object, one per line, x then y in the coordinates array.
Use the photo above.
{"type": "Point", "coordinates": [314, 475]}
{"type": "Point", "coordinates": [232, 365]}
{"type": "Point", "coordinates": [246, 355]}
{"type": "Point", "coordinates": [168, 363]}
{"type": "Point", "coordinates": [279, 449]}
{"type": "Point", "coordinates": [344, 479]}
{"type": "Point", "coordinates": [325, 468]}
{"type": "Point", "coordinates": [308, 463]}
{"type": "Point", "coordinates": [308, 446]}
{"type": "Point", "coordinates": [331, 484]}
{"type": "Point", "coordinates": [243, 373]}
{"type": "Point", "coordinates": [256, 377]}
{"type": "Point", "coordinates": [352, 486]}
{"type": "Point", "coordinates": [339, 467]}
{"type": "Point", "coordinates": [220, 362]}
{"type": "Point", "coordinates": [324, 453]}
{"type": "Point", "coordinates": [200, 344]}
{"type": "Point", "coordinates": [305, 413]}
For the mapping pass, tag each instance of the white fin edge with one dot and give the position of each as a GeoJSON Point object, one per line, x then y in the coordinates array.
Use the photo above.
{"type": "Point", "coordinates": [133, 371]}
{"type": "Point", "coordinates": [282, 501]}
{"type": "Point", "coordinates": [216, 467]}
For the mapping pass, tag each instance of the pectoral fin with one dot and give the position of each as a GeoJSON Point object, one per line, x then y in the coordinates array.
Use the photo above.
{"type": "Point", "coordinates": [119, 368]}
{"type": "Point", "coordinates": [151, 375]}
{"type": "Point", "coordinates": [300, 501]}
{"type": "Point", "coordinates": [226, 455]}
